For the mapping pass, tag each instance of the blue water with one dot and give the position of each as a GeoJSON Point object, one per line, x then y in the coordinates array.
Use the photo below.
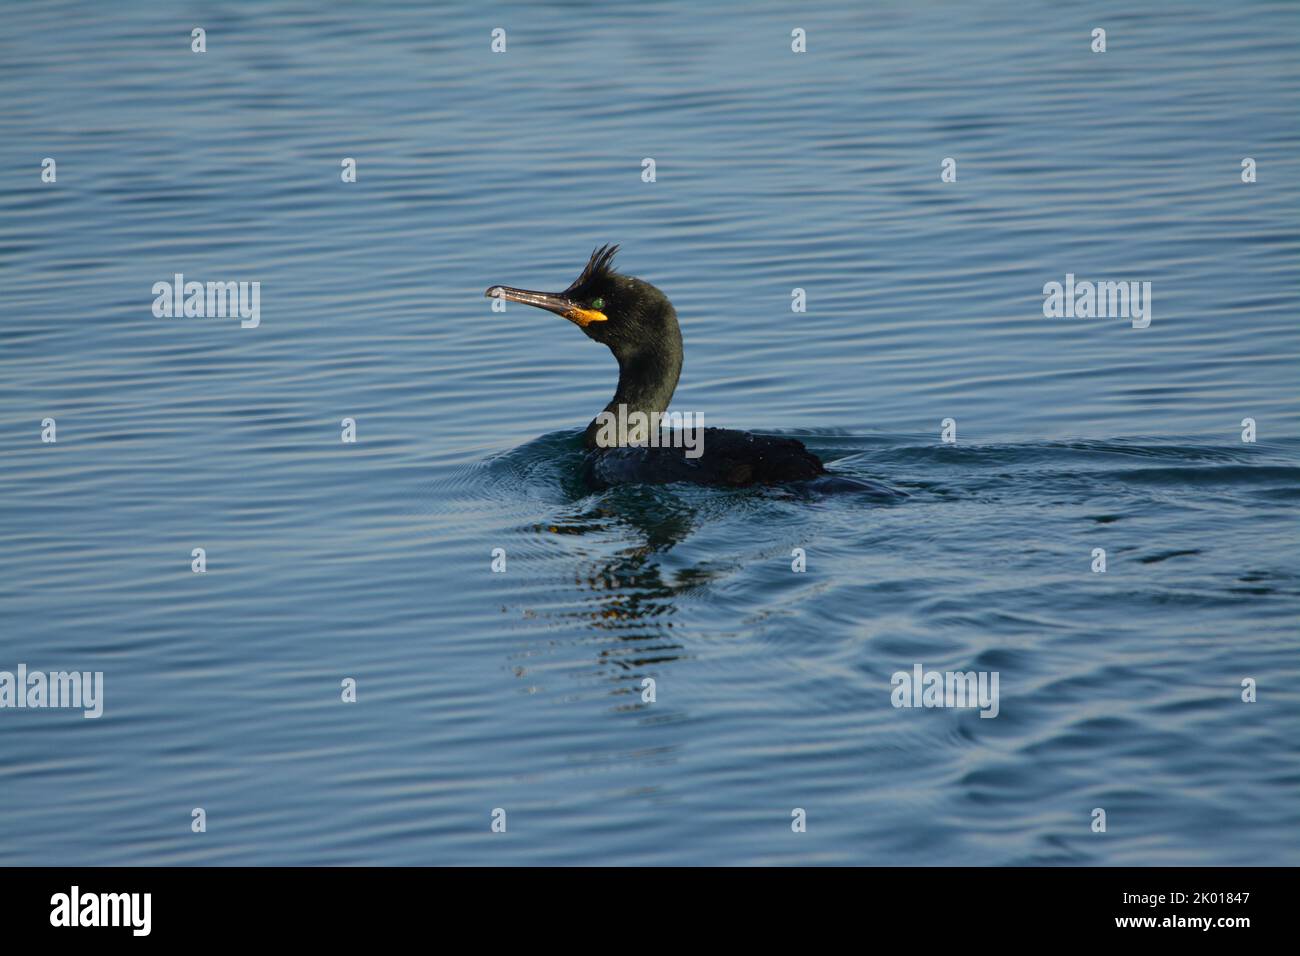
{"type": "Point", "coordinates": [522, 690]}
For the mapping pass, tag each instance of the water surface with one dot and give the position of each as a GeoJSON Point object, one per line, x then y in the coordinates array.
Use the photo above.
{"type": "Point", "coordinates": [523, 690]}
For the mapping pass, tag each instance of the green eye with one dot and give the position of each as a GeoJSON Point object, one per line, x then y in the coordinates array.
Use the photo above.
{"type": "Point", "coordinates": [598, 303]}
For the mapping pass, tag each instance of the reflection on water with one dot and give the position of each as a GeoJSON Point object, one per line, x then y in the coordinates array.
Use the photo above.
{"type": "Point", "coordinates": [625, 594]}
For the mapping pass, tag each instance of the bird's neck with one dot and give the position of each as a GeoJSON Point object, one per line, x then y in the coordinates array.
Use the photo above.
{"type": "Point", "coordinates": [646, 382]}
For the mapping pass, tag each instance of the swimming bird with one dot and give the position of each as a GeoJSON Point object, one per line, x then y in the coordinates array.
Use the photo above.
{"type": "Point", "coordinates": [636, 322]}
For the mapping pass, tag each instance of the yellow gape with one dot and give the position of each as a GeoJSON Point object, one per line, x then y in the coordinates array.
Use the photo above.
{"type": "Point", "coordinates": [584, 317]}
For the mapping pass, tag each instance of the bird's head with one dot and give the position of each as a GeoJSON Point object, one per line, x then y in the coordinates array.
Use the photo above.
{"type": "Point", "coordinates": [625, 313]}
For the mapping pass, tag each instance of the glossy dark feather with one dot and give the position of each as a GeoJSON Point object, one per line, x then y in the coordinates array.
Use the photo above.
{"type": "Point", "coordinates": [731, 458]}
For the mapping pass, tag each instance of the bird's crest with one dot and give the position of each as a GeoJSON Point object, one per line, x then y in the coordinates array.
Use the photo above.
{"type": "Point", "coordinates": [599, 266]}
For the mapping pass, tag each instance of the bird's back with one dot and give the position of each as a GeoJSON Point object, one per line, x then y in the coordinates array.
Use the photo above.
{"type": "Point", "coordinates": [730, 458]}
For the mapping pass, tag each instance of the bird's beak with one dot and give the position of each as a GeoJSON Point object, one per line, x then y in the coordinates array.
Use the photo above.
{"type": "Point", "coordinates": [555, 302]}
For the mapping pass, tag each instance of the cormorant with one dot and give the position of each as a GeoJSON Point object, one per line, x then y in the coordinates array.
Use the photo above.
{"type": "Point", "coordinates": [639, 325]}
